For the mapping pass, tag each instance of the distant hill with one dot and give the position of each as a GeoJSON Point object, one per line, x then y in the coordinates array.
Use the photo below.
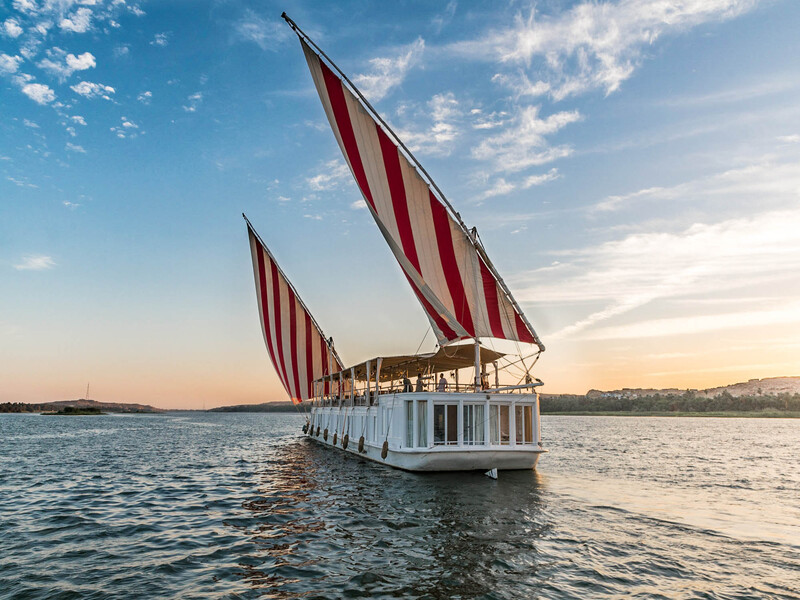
{"type": "Point", "coordinates": [267, 407]}
{"type": "Point", "coordinates": [114, 407]}
{"type": "Point", "coordinates": [770, 386]}
{"type": "Point", "coordinates": [775, 396]}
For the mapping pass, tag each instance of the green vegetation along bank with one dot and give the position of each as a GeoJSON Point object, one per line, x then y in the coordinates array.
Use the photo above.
{"type": "Point", "coordinates": [686, 404]}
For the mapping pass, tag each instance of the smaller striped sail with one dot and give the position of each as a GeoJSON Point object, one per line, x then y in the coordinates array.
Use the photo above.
{"type": "Point", "coordinates": [297, 346]}
{"type": "Point", "coordinates": [448, 269]}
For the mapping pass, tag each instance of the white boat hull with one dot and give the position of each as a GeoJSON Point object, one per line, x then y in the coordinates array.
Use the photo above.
{"type": "Point", "coordinates": [446, 460]}
{"type": "Point", "coordinates": [455, 456]}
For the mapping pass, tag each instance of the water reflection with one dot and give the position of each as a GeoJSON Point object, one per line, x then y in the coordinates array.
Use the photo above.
{"type": "Point", "coordinates": [278, 518]}
{"type": "Point", "coordinates": [324, 520]}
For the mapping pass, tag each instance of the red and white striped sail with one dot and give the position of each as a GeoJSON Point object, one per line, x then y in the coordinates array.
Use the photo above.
{"type": "Point", "coordinates": [458, 290]}
{"type": "Point", "coordinates": [296, 345]}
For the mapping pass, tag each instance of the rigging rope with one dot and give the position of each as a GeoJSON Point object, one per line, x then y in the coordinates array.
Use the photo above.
{"type": "Point", "coordinates": [423, 339]}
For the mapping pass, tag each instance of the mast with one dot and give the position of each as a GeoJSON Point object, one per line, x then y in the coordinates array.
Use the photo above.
{"type": "Point", "coordinates": [471, 235]}
{"type": "Point", "coordinates": [477, 364]}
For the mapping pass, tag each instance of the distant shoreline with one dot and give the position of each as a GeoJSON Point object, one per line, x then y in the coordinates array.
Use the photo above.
{"type": "Point", "coordinates": [723, 414]}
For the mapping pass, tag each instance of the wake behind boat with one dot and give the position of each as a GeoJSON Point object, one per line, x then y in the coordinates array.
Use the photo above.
{"type": "Point", "coordinates": [436, 423]}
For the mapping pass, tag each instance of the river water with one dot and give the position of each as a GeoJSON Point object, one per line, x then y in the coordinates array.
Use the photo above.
{"type": "Point", "coordinates": [205, 505]}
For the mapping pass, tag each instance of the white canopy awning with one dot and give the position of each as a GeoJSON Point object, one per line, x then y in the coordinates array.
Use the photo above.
{"type": "Point", "coordinates": [448, 358]}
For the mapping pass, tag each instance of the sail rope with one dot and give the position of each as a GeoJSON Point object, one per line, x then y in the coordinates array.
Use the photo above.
{"type": "Point", "coordinates": [427, 331]}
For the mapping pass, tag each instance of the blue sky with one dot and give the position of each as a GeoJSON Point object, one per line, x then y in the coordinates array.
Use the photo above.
{"type": "Point", "coordinates": [632, 168]}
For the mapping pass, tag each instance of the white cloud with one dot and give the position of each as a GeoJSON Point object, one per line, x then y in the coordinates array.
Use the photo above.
{"type": "Point", "coordinates": [194, 102]}
{"type": "Point", "coordinates": [78, 22]}
{"type": "Point", "coordinates": [446, 114]}
{"type": "Point", "coordinates": [39, 93]}
{"type": "Point", "coordinates": [43, 27]}
{"type": "Point", "coordinates": [500, 187]}
{"type": "Point", "coordinates": [81, 62]}
{"type": "Point", "coordinates": [78, 119]}
{"type": "Point", "coordinates": [88, 89]}
{"type": "Point", "coordinates": [767, 181]}
{"type": "Point", "coordinates": [75, 148]}
{"type": "Point", "coordinates": [387, 73]}
{"type": "Point", "coordinates": [269, 34]}
{"type": "Point", "coordinates": [521, 86]}
{"type": "Point", "coordinates": [21, 182]}
{"type": "Point", "coordinates": [441, 21]}
{"type": "Point", "coordinates": [25, 6]}
{"type": "Point", "coordinates": [9, 64]}
{"type": "Point", "coordinates": [12, 28]}
{"type": "Point", "coordinates": [757, 252]}
{"type": "Point", "coordinates": [594, 45]}
{"type": "Point", "coordinates": [336, 171]}
{"type": "Point", "coordinates": [31, 124]}
{"type": "Point", "coordinates": [533, 180]}
{"type": "Point", "coordinates": [35, 263]}
{"type": "Point", "coordinates": [145, 97]}
{"type": "Point", "coordinates": [790, 139]}
{"type": "Point", "coordinates": [778, 314]}
{"type": "Point", "coordinates": [491, 121]}
{"type": "Point", "coordinates": [359, 204]}
{"type": "Point", "coordinates": [522, 144]}
{"type": "Point", "coordinates": [160, 39]}
{"type": "Point", "coordinates": [62, 65]}
{"type": "Point", "coordinates": [126, 129]}
{"type": "Point", "coordinates": [70, 205]}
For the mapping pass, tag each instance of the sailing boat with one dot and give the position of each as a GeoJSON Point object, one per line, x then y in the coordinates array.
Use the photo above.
{"type": "Point", "coordinates": [372, 409]}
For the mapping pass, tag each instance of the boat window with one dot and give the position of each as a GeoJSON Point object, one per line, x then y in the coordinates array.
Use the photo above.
{"type": "Point", "coordinates": [409, 424]}
{"type": "Point", "coordinates": [473, 424]}
{"type": "Point", "coordinates": [528, 424]}
{"type": "Point", "coordinates": [493, 428]}
{"type": "Point", "coordinates": [445, 424]}
{"type": "Point", "coordinates": [452, 424]}
{"type": "Point", "coordinates": [523, 414]}
{"type": "Point", "coordinates": [438, 424]}
{"type": "Point", "coordinates": [422, 415]}
{"type": "Point", "coordinates": [499, 430]}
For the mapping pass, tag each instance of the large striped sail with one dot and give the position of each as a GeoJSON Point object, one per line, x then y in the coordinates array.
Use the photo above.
{"type": "Point", "coordinates": [445, 263]}
{"type": "Point", "coordinates": [296, 345]}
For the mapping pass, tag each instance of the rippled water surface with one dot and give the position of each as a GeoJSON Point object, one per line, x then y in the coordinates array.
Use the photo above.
{"type": "Point", "coordinates": [242, 506]}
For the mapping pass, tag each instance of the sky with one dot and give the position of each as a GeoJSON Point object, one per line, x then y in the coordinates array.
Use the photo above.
{"type": "Point", "coordinates": [632, 166]}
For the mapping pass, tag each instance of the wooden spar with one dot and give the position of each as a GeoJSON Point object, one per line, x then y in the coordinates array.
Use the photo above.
{"type": "Point", "coordinates": [471, 234]}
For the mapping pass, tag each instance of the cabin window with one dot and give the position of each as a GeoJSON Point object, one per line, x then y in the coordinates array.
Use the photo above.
{"type": "Point", "coordinates": [473, 424]}
{"type": "Point", "coordinates": [409, 424]}
{"type": "Point", "coordinates": [452, 424]}
{"type": "Point", "coordinates": [445, 424]}
{"type": "Point", "coordinates": [438, 424]}
{"type": "Point", "coordinates": [499, 430]}
{"type": "Point", "coordinates": [524, 423]}
{"type": "Point", "coordinates": [528, 424]}
{"type": "Point", "coordinates": [422, 431]}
